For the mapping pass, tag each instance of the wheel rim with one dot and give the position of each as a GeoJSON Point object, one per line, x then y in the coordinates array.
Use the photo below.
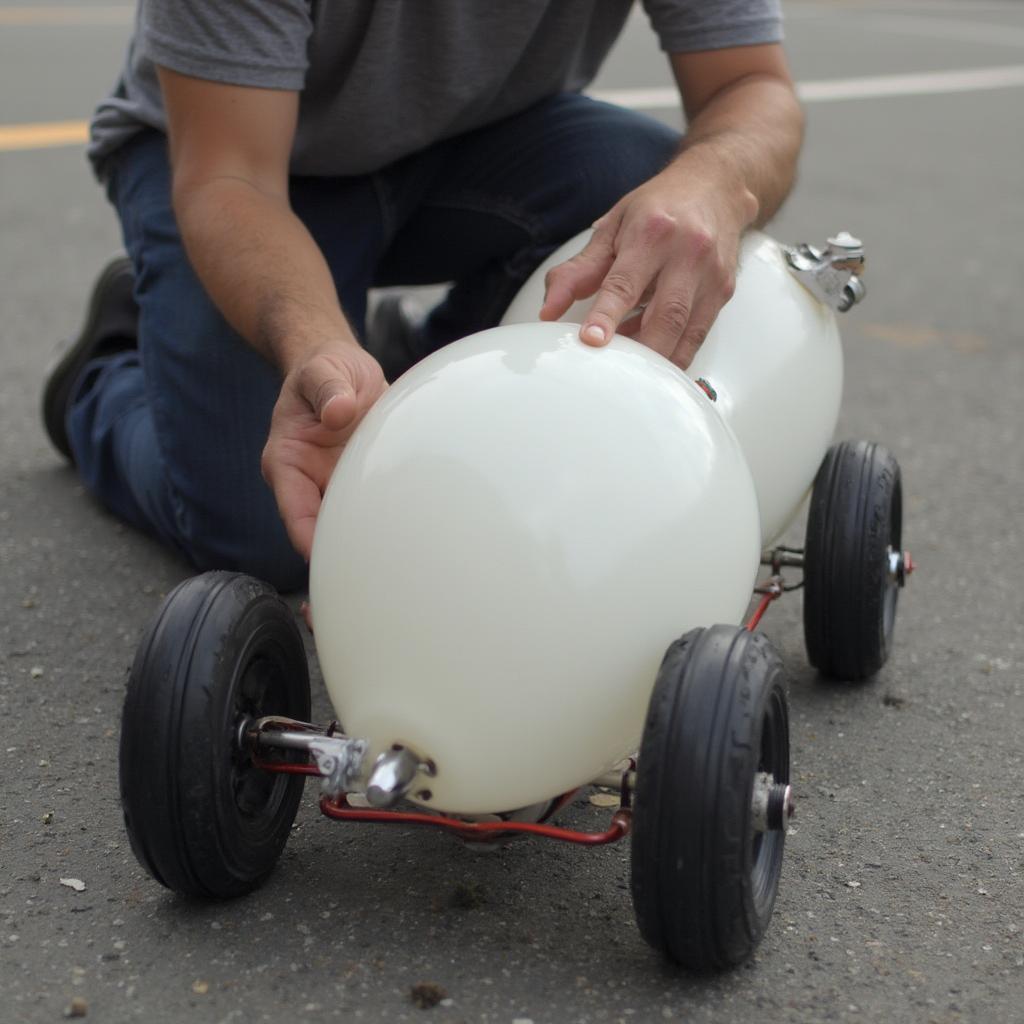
{"type": "Point", "coordinates": [891, 586]}
{"type": "Point", "coordinates": [767, 847]}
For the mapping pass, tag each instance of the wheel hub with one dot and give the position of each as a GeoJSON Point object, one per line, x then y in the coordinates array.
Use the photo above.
{"type": "Point", "coordinates": [772, 804]}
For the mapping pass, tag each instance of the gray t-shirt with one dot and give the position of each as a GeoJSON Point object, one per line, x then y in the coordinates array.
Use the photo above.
{"type": "Point", "coordinates": [383, 78]}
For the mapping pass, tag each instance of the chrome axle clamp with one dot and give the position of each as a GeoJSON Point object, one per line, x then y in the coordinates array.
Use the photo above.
{"type": "Point", "coordinates": [339, 760]}
{"type": "Point", "coordinates": [833, 273]}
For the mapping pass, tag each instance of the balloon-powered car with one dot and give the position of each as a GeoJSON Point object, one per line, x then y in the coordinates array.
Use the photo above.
{"type": "Point", "coordinates": [516, 533]}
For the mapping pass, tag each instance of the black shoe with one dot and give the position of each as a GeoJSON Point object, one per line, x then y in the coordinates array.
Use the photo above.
{"type": "Point", "coordinates": [111, 326]}
{"type": "Point", "coordinates": [391, 334]}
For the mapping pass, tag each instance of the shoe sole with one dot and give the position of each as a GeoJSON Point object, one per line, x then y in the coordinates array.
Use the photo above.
{"type": "Point", "coordinates": [67, 364]}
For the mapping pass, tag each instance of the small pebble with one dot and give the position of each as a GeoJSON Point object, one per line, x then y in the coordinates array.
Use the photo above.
{"type": "Point", "coordinates": [427, 994]}
{"type": "Point", "coordinates": [78, 1007]}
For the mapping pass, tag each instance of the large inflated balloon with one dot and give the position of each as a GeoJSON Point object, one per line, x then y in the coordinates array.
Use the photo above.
{"type": "Point", "coordinates": [774, 361]}
{"type": "Point", "coordinates": [514, 535]}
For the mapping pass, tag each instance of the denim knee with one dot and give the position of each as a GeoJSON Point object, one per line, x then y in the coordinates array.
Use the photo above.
{"type": "Point", "coordinates": [266, 554]}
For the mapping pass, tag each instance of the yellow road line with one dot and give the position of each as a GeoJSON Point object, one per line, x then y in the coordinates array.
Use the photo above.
{"type": "Point", "coordinates": [61, 14]}
{"type": "Point", "coordinates": [41, 136]}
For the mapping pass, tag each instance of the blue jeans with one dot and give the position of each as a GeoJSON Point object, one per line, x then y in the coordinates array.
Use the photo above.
{"type": "Point", "coordinates": [169, 436]}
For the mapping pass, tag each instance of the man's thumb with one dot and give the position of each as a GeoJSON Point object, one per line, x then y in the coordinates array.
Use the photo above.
{"type": "Point", "coordinates": [331, 395]}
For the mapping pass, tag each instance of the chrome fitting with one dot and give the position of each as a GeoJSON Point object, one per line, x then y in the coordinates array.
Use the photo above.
{"type": "Point", "coordinates": [901, 565]}
{"type": "Point", "coordinates": [393, 775]}
{"type": "Point", "coordinates": [833, 273]}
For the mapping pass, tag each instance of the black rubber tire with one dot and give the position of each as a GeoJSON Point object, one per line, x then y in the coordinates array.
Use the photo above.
{"type": "Point", "coordinates": [704, 882]}
{"type": "Point", "coordinates": [855, 520]}
{"type": "Point", "coordinates": [201, 818]}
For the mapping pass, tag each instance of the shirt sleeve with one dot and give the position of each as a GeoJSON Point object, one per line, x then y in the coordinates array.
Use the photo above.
{"type": "Point", "coordinates": [260, 43]}
{"type": "Point", "coordinates": [687, 26]}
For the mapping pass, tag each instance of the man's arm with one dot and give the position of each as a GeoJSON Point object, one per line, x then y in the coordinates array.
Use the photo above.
{"type": "Point", "coordinates": [230, 148]}
{"type": "Point", "coordinates": [673, 243]}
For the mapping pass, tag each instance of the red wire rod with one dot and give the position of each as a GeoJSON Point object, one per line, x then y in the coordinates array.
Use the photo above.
{"type": "Point", "coordinates": [766, 599]}
{"type": "Point", "coordinates": [479, 830]}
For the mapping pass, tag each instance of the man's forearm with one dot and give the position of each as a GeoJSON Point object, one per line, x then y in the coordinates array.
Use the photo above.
{"type": "Point", "coordinates": [262, 269]}
{"type": "Point", "coordinates": [748, 136]}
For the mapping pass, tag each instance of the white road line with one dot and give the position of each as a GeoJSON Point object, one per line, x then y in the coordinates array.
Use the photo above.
{"type": "Point", "coordinates": [831, 90]}
{"type": "Point", "coordinates": [942, 28]}
{"type": "Point", "coordinates": [796, 9]}
{"type": "Point", "coordinates": [921, 84]}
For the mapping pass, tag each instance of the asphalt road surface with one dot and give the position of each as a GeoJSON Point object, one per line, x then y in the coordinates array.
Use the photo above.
{"type": "Point", "coordinates": [903, 891]}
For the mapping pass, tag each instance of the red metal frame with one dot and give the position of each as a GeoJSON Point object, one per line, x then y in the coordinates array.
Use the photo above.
{"type": "Point", "coordinates": [773, 594]}
{"type": "Point", "coordinates": [480, 831]}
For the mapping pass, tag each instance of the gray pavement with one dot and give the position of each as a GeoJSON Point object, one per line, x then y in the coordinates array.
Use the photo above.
{"type": "Point", "coordinates": [903, 890]}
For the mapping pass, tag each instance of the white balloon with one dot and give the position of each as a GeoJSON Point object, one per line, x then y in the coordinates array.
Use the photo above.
{"type": "Point", "coordinates": [510, 541]}
{"type": "Point", "coordinates": [775, 362]}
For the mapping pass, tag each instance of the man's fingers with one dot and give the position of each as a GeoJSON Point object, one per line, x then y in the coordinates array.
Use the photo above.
{"type": "Point", "coordinates": [298, 501]}
{"type": "Point", "coordinates": [690, 292]}
{"type": "Point", "coordinates": [677, 324]}
{"type": "Point", "coordinates": [621, 291]}
{"type": "Point", "coordinates": [641, 258]}
{"type": "Point", "coordinates": [668, 313]}
{"type": "Point", "coordinates": [692, 339]}
{"type": "Point", "coordinates": [581, 275]}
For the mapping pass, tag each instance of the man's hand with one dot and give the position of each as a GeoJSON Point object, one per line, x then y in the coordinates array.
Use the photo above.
{"type": "Point", "coordinates": [671, 245]}
{"type": "Point", "coordinates": [322, 400]}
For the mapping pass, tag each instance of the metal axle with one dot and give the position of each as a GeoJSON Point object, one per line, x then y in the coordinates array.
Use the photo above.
{"type": "Point", "coordinates": [772, 804]}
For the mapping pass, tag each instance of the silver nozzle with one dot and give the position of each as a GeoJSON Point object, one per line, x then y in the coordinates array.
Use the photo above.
{"type": "Point", "coordinates": [393, 775]}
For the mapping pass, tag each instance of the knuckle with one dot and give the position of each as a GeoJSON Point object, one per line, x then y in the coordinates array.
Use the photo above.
{"type": "Point", "coordinates": [701, 241]}
{"type": "Point", "coordinates": [673, 314]}
{"type": "Point", "coordinates": [695, 336]}
{"type": "Point", "coordinates": [325, 390]}
{"type": "Point", "coordinates": [620, 286]}
{"type": "Point", "coordinates": [307, 379]}
{"type": "Point", "coordinates": [728, 287]}
{"type": "Point", "coordinates": [658, 226]}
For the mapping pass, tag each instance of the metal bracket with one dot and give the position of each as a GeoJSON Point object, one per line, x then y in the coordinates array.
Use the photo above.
{"type": "Point", "coordinates": [339, 760]}
{"type": "Point", "coordinates": [833, 273]}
